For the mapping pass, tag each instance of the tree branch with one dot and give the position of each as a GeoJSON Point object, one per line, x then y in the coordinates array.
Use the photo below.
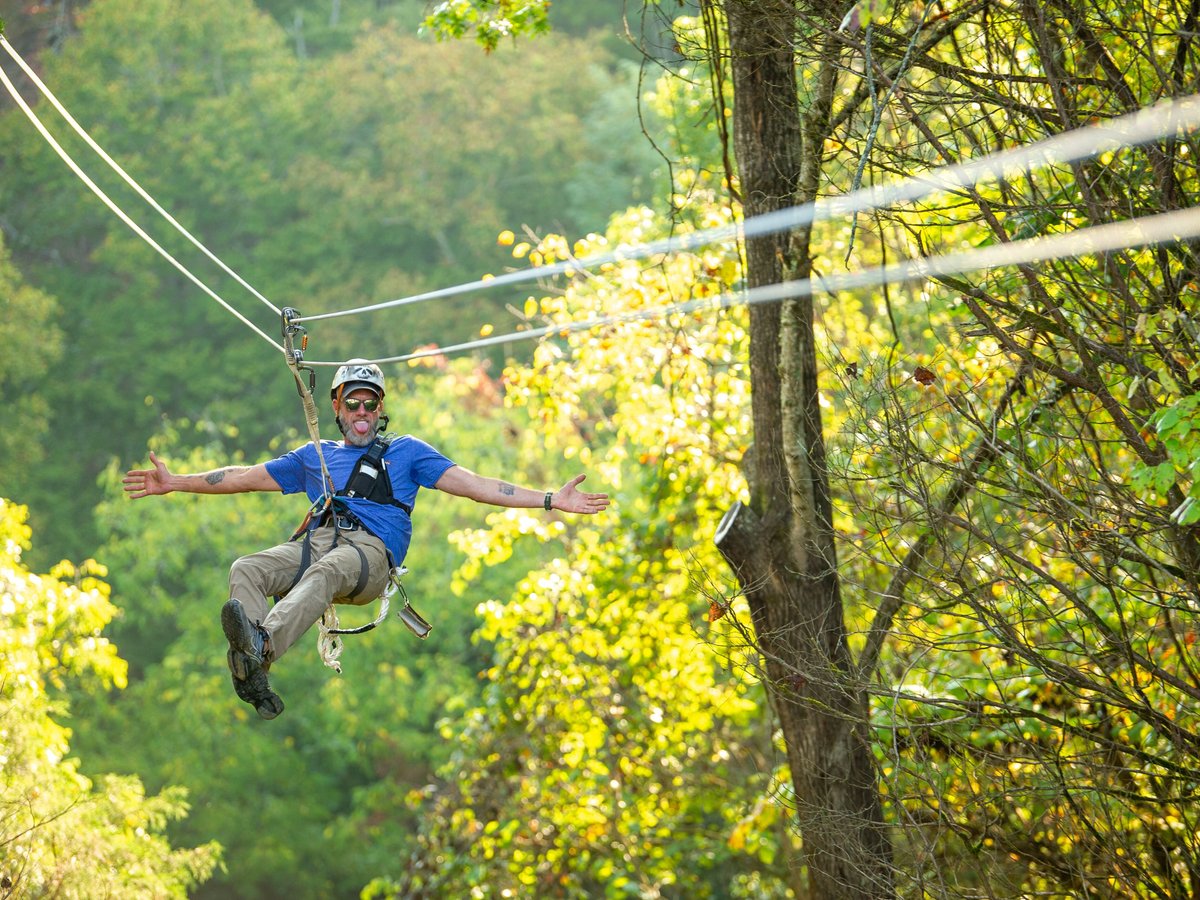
{"type": "Point", "coordinates": [984, 455]}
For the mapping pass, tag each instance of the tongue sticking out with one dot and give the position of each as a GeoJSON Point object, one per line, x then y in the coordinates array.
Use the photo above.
{"type": "Point", "coordinates": [361, 427]}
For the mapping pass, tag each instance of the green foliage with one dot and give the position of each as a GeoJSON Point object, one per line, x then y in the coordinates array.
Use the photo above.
{"type": "Point", "coordinates": [488, 21]}
{"type": "Point", "coordinates": [410, 119]}
{"type": "Point", "coordinates": [1033, 700]}
{"type": "Point", "coordinates": [319, 28]}
{"type": "Point", "coordinates": [62, 834]}
{"type": "Point", "coordinates": [616, 752]}
{"type": "Point", "coordinates": [34, 351]}
{"type": "Point", "coordinates": [683, 102]}
{"type": "Point", "coordinates": [133, 320]}
{"type": "Point", "coordinates": [621, 164]}
{"type": "Point", "coordinates": [1177, 431]}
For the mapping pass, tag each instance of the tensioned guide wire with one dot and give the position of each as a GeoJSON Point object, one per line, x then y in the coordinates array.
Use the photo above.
{"type": "Point", "coordinates": [116, 210]}
{"type": "Point", "coordinates": [1168, 118]}
{"type": "Point", "coordinates": [126, 177]}
{"type": "Point", "coordinates": [1146, 231]}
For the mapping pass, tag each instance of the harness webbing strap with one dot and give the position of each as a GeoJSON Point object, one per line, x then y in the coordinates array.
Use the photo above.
{"type": "Point", "coordinates": [329, 630]}
{"type": "Point", "coordinates": [310, 526]}
{"type": "Point", "coordinates": [369, 479]}
{"type": "Point", "coordinates": [305, 387]}
{"type": "Point", "coordinates": [362, 572]}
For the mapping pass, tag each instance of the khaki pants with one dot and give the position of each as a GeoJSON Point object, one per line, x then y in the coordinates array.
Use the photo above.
{"type": "Point", "coordinates": [331, 576]}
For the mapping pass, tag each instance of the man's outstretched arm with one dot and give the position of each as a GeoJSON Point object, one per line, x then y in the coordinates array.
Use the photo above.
{"type": "Point", "coordinates": [227, 480]}
{"type": "Point", "coordinates": [568, 498]}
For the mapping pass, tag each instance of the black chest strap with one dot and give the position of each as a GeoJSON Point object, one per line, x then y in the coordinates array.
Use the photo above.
{"type": "Point", "coordinates": [369, 479]}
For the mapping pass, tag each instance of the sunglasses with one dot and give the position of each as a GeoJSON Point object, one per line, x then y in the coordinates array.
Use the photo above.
{"type": "Point", "coordinates": [353, 404]}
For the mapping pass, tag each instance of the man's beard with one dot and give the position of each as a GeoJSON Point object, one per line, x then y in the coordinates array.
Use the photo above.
{"type": "Point", "coordinates": [354, 439]}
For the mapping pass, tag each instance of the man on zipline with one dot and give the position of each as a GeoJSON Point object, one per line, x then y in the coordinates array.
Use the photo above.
{"type": "Point", "coordinates": [349, 547]}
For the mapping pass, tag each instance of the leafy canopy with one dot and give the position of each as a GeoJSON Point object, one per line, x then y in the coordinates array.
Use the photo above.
{"type": "Point", "coordinates": [62, 833]}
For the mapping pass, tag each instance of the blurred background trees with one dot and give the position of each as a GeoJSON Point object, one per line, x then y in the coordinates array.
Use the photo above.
{"type": "Point", "coordinates": [1008, 456]}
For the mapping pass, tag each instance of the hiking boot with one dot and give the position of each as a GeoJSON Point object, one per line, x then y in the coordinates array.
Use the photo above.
{"type": "Point", "coordinates": [248, 647]}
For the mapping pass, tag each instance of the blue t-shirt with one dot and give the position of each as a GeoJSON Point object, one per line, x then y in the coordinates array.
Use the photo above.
{"type": "Point", "coordinates": [409, 462]}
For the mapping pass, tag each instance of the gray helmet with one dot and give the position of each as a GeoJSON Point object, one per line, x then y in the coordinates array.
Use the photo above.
{"type": "Point", "coordinates": [355, 374]}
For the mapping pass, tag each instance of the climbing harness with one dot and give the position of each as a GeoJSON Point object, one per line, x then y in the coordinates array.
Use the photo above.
{"type": "Point", "coordinates": [364, 482]}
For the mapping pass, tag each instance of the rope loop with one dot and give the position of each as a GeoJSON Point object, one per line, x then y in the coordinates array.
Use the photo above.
{"type": "Point", "coordinates": [329, 630]}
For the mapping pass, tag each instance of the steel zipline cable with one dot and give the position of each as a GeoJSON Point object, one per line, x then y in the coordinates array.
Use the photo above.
{"type": "Point", "coordinates": [70, 120]}
{"type": "Point", "coordinates": [1147, 231]}
{"type": "Point", "coordinates": [137, 229]}
{"type": "Point", "coordinates": [1143, 126]}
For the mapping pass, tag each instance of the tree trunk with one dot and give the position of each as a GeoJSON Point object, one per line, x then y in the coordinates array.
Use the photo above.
{"type": "Point", "coordinates": [781, 547]}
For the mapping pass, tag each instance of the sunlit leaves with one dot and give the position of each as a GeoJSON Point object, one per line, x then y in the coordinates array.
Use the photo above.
{"type": "Point", "coordinates": [1031, 686]}
{"type": "Point", "coordinates": [489, 21]}
{"type": "Point", "coordinates": [611, 726]}
{"type": "Point", "coordinates": [1177, 432]}
{"type": "Point", "coordinates": [60, 832]}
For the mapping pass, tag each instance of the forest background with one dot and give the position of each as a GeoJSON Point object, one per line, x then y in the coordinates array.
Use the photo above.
{"type": "Point", "coordinates": [606, 707]}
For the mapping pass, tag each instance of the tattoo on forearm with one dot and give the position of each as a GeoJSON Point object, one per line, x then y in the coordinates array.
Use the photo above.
{"type": "Point", "coordinates": [215, 477]}
{"type": "Point", "coordinates": [507, 489]}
